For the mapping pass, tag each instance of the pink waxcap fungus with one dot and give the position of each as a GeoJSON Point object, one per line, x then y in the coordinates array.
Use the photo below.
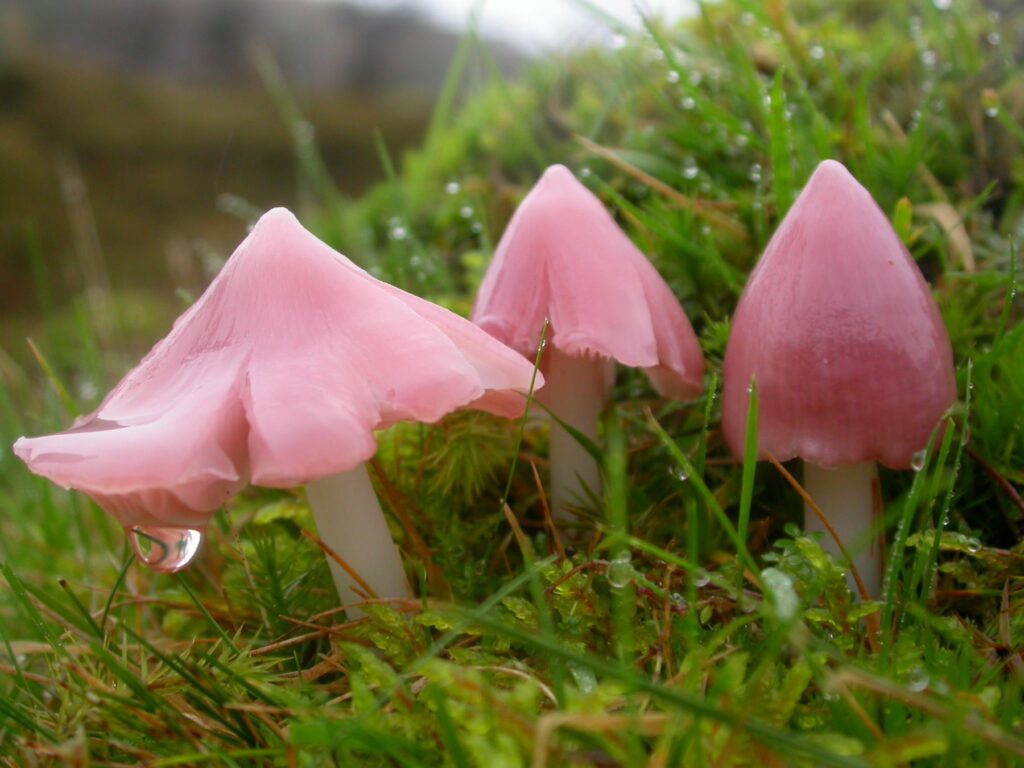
{"type": "Point", "coordinates": [837, 325]}
{"type": "Point", "coordinates": [564, 258]}
{"type": "Point", "coordinates": [278, 374]}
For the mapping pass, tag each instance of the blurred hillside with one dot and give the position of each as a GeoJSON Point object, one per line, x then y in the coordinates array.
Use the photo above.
{"type": "Point", "coordinates": [126, 125]}
{"type": "Point", "coordinates": [317, 45]}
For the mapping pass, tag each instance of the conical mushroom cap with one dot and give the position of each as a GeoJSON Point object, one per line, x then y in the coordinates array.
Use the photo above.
{"type": "Point", "coordinates": [564, 258]}
{"type": "Point", "coordinates": [839, 329]}
{"type": "Point", "coordinates": [278, 374]}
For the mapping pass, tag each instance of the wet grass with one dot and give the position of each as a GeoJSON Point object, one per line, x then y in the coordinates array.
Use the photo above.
{"type": "Point", "coordinates": [689, 622]}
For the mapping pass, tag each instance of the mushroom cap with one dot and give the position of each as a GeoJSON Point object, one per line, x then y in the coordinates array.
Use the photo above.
{"type": "Point", "coordinates": [564, 258]}
{"type": "Point", "coordinates": [279, 374]}
{"type": "Point", "coordinates": [838, 327]}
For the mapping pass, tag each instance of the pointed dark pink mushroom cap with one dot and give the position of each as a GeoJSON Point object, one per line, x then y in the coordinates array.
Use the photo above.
{"type": "Point", "coordinates": [278, 374]}
{"type": "Point", "coordinates": [852, 361]}
{"type": "Point", "coordinates": [564, 258]}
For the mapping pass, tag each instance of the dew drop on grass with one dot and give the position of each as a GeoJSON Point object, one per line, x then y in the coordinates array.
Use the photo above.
{"type": "Point", "coordinates": [672, 76]}
{"type": "Point", "coordinates": [620, 571]}
{"type": "Point", "coordinates": [690, 169]}
{"type": "Point", "coordinates": [584, 677]}
{"type": "Point", "coordinates": [994, 38]}
{"type": "Point", "coordinates": [164, 550]}
{"type": "Point", "coordinates": [755, 173]}
{"type": "Point", "coordinates": [688, 103]}
{"type": "Point", "coordinates": [917, 460]}
{"type": "Point", "coordinates": [87, 390]}
{"type": "Point", "coordinates": [466, 212]}
{"type": "Point", "coordinates": [965, 435]}
{"type": "Point", "coordinates": [942, 5]}
{"type": "Point", "coordinates": [701, 580]}
{"type": "Point", "coordinates": [917, 680]}
{"type": "Point", "coordinates": [817, 52]}
{"type": "Point", "coordinates": [678, 473]}
{"type": "Point", "coordinates": [452, 187]}
{"type": "Point", "coordinates": [992, 111]}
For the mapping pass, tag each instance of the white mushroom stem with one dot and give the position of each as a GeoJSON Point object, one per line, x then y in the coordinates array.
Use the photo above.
{"type": "Point", "coordinates": [350, 521]}
{"type": "Point", "coordinates": [846, 495]}
{"type": "Point", "coordinates": [575, 390]}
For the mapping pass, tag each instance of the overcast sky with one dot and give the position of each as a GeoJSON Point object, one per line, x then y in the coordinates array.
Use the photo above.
{"type": "Point", "coordinates": [537, 25]}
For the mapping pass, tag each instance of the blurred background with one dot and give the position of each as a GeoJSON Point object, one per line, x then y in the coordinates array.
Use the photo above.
{"type": "Point", "coordinates": [136, 136]}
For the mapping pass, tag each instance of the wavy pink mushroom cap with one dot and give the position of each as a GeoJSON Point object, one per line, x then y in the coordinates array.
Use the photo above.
{"type": "Point", "coordinates": [279, 374]}
{"type": "Point", "coordinates": [852, 361]}
{"type": "Point", "coordinates": [564, 258]}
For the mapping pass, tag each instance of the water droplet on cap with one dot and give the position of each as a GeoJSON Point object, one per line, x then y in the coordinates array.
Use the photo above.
{"type": "Point", "coordinates": [165, 550]}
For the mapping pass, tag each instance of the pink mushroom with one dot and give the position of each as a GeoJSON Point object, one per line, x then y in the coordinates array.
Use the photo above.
{"type": "Point", "coordinates": [852, 361]}
{"type": "Point", "coordinates": [564, 259]}
{"type": "Point", "coordinates": [278, 375]}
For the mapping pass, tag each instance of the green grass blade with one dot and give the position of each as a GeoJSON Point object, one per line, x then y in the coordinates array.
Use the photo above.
{"type": "Point", "coordinates": [698, 482]}
{"type": "Point", "coordinates": [781, 146]}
